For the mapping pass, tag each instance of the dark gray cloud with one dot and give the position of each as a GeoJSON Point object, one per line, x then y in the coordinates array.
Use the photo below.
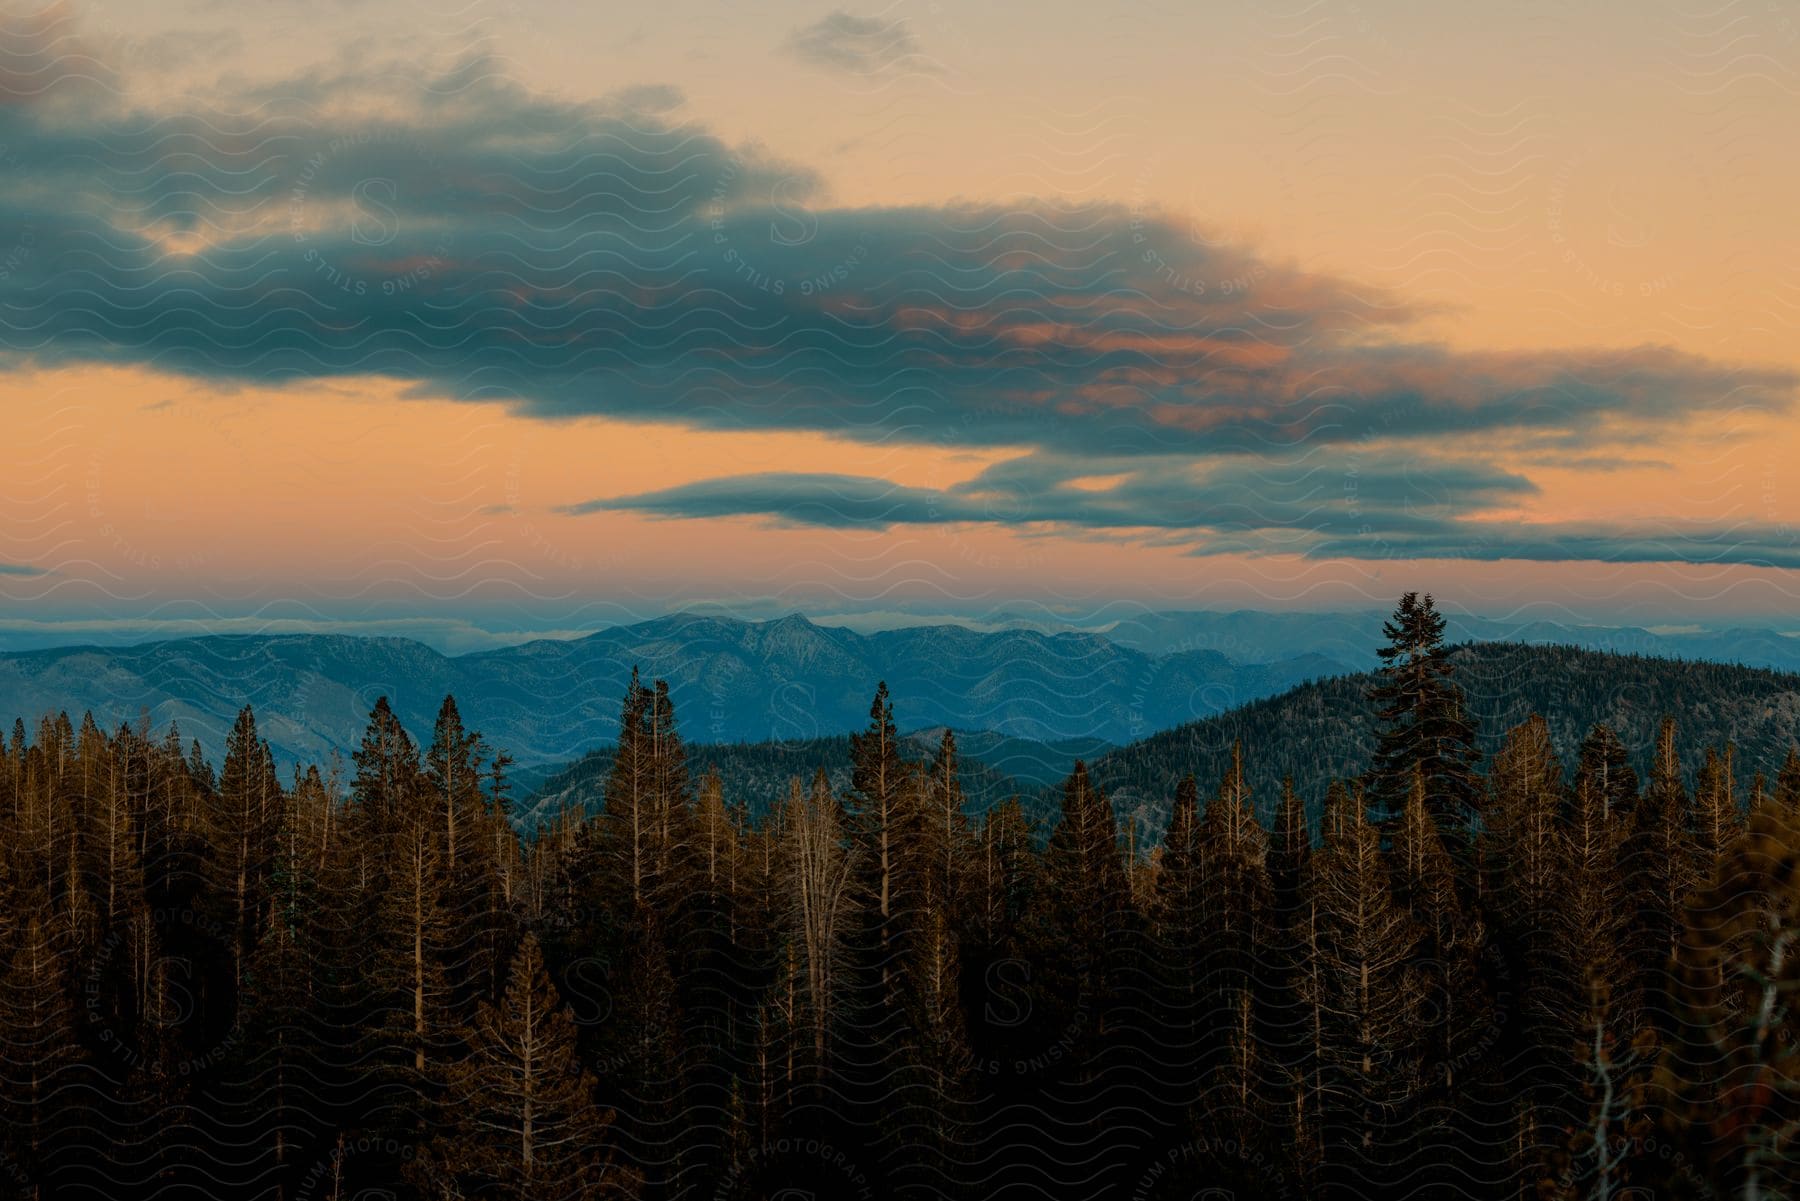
{"type": "Point", "coordinates": [21, 569]}
{"type": "Point", "coordinates": [1324, 507]}
{"type": "Point", "coordinates": [858, 45]}
{"type": "Point", "coordinates": [791, 498]}
{"type": "Point", "coordinates": [483, 242]}
{"type": "Point", "coordinates": [1294, 503]}
{"type": "Point", "coordinates": [1738, 544]}
{"type": "Point", "coordinates": [640, 268]}
{"type": "Point", "coordinates": [479, 241]}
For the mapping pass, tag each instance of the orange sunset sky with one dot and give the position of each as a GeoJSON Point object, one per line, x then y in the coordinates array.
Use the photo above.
{"type": "Point", "coordinates": [479, 321]}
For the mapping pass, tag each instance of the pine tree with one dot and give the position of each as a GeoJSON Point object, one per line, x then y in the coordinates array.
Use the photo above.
{"type": "Point", "coordinates": [881, 791]}
{"type": "Point", "coordinates": [1606, 765]}
{"type": "Point", "coordinates": [715, 959]}
{"type": "Point", "coordinates": [1290, 851]}
{"type": "Point", "coordinates": [1787, 781]}
{"type": "Point", "coordinates": [114, 872]}
{"type": "Point", "coordinates": [523, 1122]}
{"type": "Point", "coordinates": [165, 842]}
{"type": "Point", "coordinates": [39, 1055]}
{"type": "Point", "coordinates": [626, 827]}
{"type": "Point", "coordinates": [647, 1062]}
{"type": "Point", "coordinates": [386, 786]}
{"type": "Point", "coordinates": [626, 884]}
{"type": "Point", "coordinates": [453, 781]}
{"type": "Point", "coordinates": [1595, 894]}
{"type": "Point", "coordinates": [671, 792]}
{"type": "Point", "coordinates": [476, 847]}
{"type": "Point", "coordinates": [1180, 939]}
{"type": "Point", "coordinates": [1367, 999]}
{"type": "Point", "coordinates": [1424, 721]}
{"type": "Point", "coordinates": [647, 797]}
{"type": "Point", "coordinates": [1526, 857]}
{"type": "Point", "coordinates": [387, 912]}
{"type": "Point", "coordinates": [821, 864]}
{"type": "Point", "coordinates": [944, 845]}
{"type": "Point", "coordinates": [947, 828]}
{"type": "Point", "coordinates": [1285, 1016]}
{"type": "Point", "coordinates": [505, 866]}
{"type": "Point", "coordinates": [1602, 1016]}
{"type": "Point", "coordinates": [1449, 945]}
{"type": "Point", "coordinates": [1663, 854]}
{"type": "Point", "coordinates": [1733, 1078]}
{"type": "Point", "coordinates": [414, 915]}
{"type": "Point", "coordinates": [1004, 870]}
{"type": "Point", "coordinates": [1716, 817]}
{"type": "Point", "coordinates": [1353, 1017]}
{"type": "Point", "coordinates": [282, 1006]}
{"type": "Point", "coordinates": [1759, 795]}
{"type": "Point", "coordinates": [239, 837]}
{"type": "Point", "coordinates": [1604, 1155]}
{"type": "Point", "coordinates": [927, 1151]}
{"type": "Point", "coordinates": [1082, 922]}
{"type": "Point", "coordinates": [1234, 906]}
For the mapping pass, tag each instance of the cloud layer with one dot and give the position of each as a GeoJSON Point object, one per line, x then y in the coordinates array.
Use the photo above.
{"type": "Point", "coordinates": [1223, 501]}
{"type": "Point", "coordinates": [478, 241]}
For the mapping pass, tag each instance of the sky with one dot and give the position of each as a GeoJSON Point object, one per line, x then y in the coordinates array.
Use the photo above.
{"type": "Point", "coordinates": [483, 320]}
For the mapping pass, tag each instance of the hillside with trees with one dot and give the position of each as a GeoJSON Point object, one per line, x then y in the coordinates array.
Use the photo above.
{"type": "Point", "coordinates": [1330, 729]}
{"type": "Point", "coordinates": [1500, 966]}
{"type": "Point", "coordinates": [1314, 733]}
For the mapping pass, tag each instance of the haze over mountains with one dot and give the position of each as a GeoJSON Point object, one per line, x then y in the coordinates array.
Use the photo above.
{"type": "Point", "coordinates": [789, 680]}
{"type": "Point", "coordinates": [732, 681]}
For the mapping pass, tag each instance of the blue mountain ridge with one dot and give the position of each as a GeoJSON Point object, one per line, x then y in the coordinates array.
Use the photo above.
{"type": "Point", "coordinates": [550, 701]}
{"type": "Point", "coordinates": [788, 680]}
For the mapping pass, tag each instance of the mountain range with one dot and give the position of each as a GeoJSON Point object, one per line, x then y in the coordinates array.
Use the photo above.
{"type": "Point", "coordinates": [1046, 696]}
{"type": "Point", "coordinates": [551, 701]}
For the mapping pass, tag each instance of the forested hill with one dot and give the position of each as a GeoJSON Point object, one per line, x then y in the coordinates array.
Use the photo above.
{"type": "Point", "coordinates": [1325, 730]}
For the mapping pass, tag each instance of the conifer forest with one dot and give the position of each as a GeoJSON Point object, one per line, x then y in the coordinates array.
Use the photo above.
{"type": "Point", "coordinates": [1453, 974]}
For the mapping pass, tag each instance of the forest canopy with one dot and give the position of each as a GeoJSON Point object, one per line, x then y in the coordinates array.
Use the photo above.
{"type": "Point", "coordinates": [1489, 967]}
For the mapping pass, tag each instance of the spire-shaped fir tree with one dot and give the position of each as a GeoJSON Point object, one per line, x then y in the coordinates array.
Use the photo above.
{"type": "Point", "coordinates": [1425, 724]}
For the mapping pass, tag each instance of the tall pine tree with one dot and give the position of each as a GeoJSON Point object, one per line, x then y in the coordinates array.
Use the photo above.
{"type": "Point", "coordinates": [1425, 724]}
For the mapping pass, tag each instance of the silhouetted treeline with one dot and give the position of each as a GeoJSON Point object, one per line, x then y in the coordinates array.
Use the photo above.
{"type": "Point", "coordinates": [760, 771]}
{"type": "Point", "coordinates": [1487, 975]}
